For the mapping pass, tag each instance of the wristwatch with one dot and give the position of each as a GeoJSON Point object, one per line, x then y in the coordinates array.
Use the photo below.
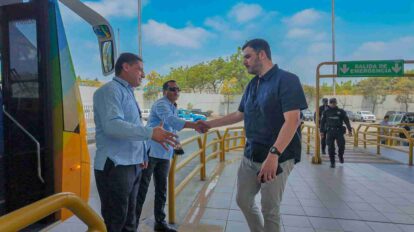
{"type": "Point", "coordinates": [275, 151]}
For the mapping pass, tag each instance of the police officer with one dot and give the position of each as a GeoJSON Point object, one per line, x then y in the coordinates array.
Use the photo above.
{"type": "Point", "coordinates": [332, 128]}
{"type": "Point", "coordinates": [322, 109]}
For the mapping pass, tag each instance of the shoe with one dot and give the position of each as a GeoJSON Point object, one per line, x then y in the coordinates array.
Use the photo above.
{"type": "Point", "coordinates": [341, 160]}
{"type": "Point", "coordinates": [323, 153]}
{"type": "Point", "coordinates": [163, 227]}
{"type": "Point", "coordinates": [332, 165]}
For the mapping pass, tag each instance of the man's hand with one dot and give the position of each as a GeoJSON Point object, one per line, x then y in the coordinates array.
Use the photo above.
{"type": "Point", "coordinates": [144, 165]}
{"type": "Point", "coordinates": [350, 133]}
{"type": "Point", "coordinates": [322, 135]}
{"type": "Point", "coordinates": [202, 126]}
{"type": "Point", "coordinates": [164, 137]}
{"type": "Point", "coordinates": [269, 168]}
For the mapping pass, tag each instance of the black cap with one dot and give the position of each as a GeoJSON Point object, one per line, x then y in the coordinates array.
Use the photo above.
{"type": "Point", "coordinates": [332, 100]}
{"type": "Point", "coordinates": [325, 100]}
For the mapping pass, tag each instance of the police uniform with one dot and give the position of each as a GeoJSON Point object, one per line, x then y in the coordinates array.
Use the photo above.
{"type": "Point", "coordinates": [322, 109]}
{"type": "Point", "coordinates": [333, 129]}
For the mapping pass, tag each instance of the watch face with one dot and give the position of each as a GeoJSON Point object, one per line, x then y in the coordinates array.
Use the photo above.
{"type": "Point", "coordinates": [273, 150]}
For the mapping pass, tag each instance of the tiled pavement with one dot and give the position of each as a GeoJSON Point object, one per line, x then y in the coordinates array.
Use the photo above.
{"type": "Point", "coordinates": [352, 197]}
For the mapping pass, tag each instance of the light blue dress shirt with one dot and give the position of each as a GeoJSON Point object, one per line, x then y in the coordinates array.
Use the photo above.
{"type": "Point", "coordinates": [163, 110]}
{"type": "Point", "coordinates": [120, 134]}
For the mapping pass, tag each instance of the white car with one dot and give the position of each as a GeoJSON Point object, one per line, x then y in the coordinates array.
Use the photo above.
{"type": "Point", "coordinates": [364, 116]}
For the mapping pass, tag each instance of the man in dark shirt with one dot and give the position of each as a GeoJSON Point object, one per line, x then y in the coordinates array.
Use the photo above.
{"type": "Point", "coordinates": [270, 108]}
{"type": "Point", "coordinates": [332, 128]}
{"type": "Point", "coordinates": [322, 109]}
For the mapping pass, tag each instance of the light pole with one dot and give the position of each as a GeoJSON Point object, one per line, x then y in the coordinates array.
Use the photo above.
{"type": "Point", "coordinates": [139, 28]}
{"type": "Point", "coordinates": [333, 46]}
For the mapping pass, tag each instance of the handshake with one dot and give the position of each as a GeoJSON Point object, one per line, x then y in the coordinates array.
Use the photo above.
{"type": "Point", "coordinates": [201, 126]}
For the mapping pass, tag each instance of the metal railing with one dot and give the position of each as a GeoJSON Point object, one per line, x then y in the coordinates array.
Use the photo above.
{"type": "Point", "coordinates": [219, 144]}
{"type": "Point", "coordinates": [308, 137]}
{"type": "Point", "coordinates": [26, 216]}
{"type": "Point", "coordinates": [385, 136]}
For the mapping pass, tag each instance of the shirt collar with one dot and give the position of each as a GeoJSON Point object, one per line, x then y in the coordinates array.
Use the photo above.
{"type": "Point", "coordinates": [271, 72]}
{"type": "Point", "coordinates": [167, 100]}
{"type": "Point", "coordinates": [122, 82]}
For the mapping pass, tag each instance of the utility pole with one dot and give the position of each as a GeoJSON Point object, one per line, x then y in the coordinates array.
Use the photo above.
{"type": "Point", "coordinates": [139, 28]}
{"type": "Point", "coordinates": [333, 46]}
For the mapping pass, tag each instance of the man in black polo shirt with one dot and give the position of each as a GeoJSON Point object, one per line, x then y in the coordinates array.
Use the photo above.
{"type": "Point", "coordinates": [270, 108]}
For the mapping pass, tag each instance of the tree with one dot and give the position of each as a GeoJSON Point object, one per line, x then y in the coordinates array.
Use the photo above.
{"type": "Point", "coordinates": [310, 93]}
{"type": "Point", "coordinates": [403, 89]}
{"type": "Point", "coordinates": [374, 90]}
{"type": "Point", "coordinates": [229, 89]}
{"type": "Point", "coordinates": [153, 86]}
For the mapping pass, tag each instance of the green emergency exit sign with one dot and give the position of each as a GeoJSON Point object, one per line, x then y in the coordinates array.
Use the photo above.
{"type": "Point", "coordinates": [378, 68]}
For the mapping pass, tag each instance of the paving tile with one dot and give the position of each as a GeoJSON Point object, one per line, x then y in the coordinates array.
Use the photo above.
{"type": "Point", "coordinates": [233, 226]}
{"type": "Point", "coordinates": [298, 229]}
{"type": "Point", "coordinates": [399, 218]}
{"type": "Point", "coordinates": [384, 227]}
{"type": "Point", "coordinates": [292, 210]}
{"type": "Point", "coordinates": [406, 228]}
{"type": "Point", "coordinates": [215, 214]}
{"type": "Point", "coordinates": [317, 212]}
{"type": "Point", "coordinates": [372, 216]}
{"type": "Point", "coordinates": [295, 221]}
{"type": "Point", "coordinates": [325, 223]}
{"type": "Point", "coordinates": [361, 206]}
{"type": "Point", "coordinates": [344, 214]}
{"type": "Point", "coordinates": [354, 226]}
{"type": "Point", "coordinates": [236, 215]}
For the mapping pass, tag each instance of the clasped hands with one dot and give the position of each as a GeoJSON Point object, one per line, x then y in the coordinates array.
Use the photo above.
{"type": "Point", "coordinates": [202, 126]}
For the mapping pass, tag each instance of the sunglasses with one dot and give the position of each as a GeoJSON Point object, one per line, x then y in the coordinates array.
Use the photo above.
{"type": "Point", "coordinates": [174, 89]}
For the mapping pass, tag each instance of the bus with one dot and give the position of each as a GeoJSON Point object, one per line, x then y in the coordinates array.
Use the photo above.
{"type": "Point", "coordinates": [43, 146]}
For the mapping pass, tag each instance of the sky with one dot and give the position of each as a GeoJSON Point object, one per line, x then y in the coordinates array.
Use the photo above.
{"type": "Point", "coordinates": [187, 32]}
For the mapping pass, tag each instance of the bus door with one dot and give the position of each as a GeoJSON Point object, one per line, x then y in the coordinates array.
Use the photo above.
{"type": "Point", "coordinates": [28, 166]}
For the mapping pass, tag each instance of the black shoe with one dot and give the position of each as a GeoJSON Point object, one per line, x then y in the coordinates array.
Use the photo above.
{"type": "Point", "coordinates": [163, 227]}
{"type": "Point", "coordinates": [341, 160]}
{"type": "Point", "coordinates": [323, 153]}
{"type": "Point", "coordinates": [332, 165]}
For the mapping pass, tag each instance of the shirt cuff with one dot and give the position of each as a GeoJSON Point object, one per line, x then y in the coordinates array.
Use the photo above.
{"type": "Point", "coordinates": [148, 132]}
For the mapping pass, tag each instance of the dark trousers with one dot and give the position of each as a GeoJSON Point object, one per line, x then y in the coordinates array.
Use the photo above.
{"type": "Point", "coordinates": [323, 144]}
{"type": "Point", "coordinates": [118, 189]}
{"type": "Point", "coordinates": [335, 134]}
{"type": "Point", "coordinates": [160, 169]}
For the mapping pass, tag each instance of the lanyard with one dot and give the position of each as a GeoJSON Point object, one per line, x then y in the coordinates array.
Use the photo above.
{"type": "Point", "coordinates": [132, 95]}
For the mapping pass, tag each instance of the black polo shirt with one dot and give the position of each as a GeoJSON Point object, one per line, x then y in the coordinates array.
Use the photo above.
{"type": "Point", "coordinates": [263, 104]}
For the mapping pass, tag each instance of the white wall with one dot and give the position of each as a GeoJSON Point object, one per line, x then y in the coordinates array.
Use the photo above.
{"type": "Point", "coordinates": [215, 102]}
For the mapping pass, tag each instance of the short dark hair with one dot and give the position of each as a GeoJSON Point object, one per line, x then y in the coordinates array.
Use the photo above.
{"type": "Point", "coordinates": [259, 45]}
{"type": "Point", "coordinates": [386, 116]}
{"type": "Point", "coordinates": [332, 101]}
{"type": "Point", "coordinates": [126, 57]}
{"type": "Point", "coordinates": [165, 85]}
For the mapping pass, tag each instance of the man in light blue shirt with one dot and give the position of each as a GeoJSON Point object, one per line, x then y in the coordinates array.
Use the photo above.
{"type": "Point", "coordinates": [163, 111]}
{"type": "Point", "coordinates": [120, 142]}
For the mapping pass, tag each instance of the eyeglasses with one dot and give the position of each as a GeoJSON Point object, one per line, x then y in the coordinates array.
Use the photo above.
{"type": "Point", "coordinates": [174, 89]}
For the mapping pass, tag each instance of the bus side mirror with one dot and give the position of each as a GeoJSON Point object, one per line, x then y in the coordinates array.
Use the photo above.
{"type": "Point", "coordinates": [107, 57]}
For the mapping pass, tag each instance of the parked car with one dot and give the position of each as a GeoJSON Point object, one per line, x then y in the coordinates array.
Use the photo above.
{"type": "Point", "coordinates": [145, 114]}
{"type": "Point", "coordinates": [351, 115]}
{"type": "Point", "coordinates": [307, 115]}
{"type": "Point", "coordinates": [401, 117]}
{"type": "Point", "coordinates": [188, 116]}
{"type": "Point", "coordinates": [364, 116]}
{"type": "Point", "coordinates": [199, 111]}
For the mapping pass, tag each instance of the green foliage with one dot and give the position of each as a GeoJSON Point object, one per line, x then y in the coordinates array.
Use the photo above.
{"type": "Point", "coordinates": [154, 86]}
{"type": "Point", "coordinates": [210, 76]}
{"type": "Point", "coordinates": [88, 82]}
